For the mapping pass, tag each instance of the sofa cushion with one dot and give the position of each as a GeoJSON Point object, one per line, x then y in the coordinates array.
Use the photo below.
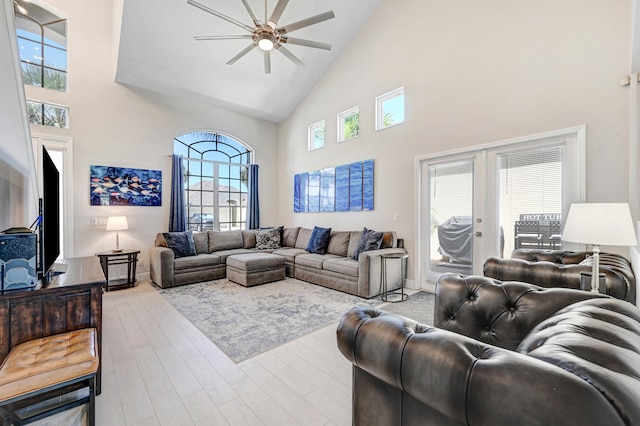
{"type": "Point", "coordinates": [369, 240]}
{"type": "Point", "coordinates": [249, 238]}
{"type": "Point", "coordinates": [224, 254]}
{"type": "Point", "coordinates": [181, 243]}
{"type": "Point", "coordinates": [268, 239]}
{"type": "Point", "coordinates": [289, 236]}
{"type": "Point", "coordinates": [224, 240]}
{"type": "Point", "coordinates": [197, 261]}
{"type": "Point", "coordinates": [319, 240]}
{"type": "Point", "coordinates": [339, 243]}
{"type": "Point", "coordinates": [289, 253]}
{"type": "Point", "coordinates": [354, 238]}
{"type": "Point", "coordinates": [303, 238]}
{"type": "Point", "coordinates": [341, 265]}
{"type": "Point", "coordinates": [313, 260]}
{"type": "Point", "coordinates": [201, 240]}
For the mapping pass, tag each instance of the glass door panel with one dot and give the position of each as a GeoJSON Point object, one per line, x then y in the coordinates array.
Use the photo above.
{"type": "Point", "coordinates": [451, 188]}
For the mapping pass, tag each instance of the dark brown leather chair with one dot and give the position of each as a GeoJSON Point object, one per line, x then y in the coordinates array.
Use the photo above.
{"type": "Point", "coordinates": [567, 269]}
{"type": "Point", "coordinates": [502, 354]}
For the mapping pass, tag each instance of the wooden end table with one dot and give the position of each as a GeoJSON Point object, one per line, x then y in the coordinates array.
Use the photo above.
{"type": "Point", "coordinates": [122, 257]}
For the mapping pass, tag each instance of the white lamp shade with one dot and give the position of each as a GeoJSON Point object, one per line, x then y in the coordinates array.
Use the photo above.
{"type": "Point", "coordinates": [607, 224]}
{"type": "Point", "coordinates": [117, 223]}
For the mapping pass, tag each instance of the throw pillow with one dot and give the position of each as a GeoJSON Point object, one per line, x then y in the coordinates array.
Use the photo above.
{"type": "Point", "coordinates": [181, 243]}
{"type": "Point", "coordinates": [268, 239]}
{"type": "Point", "coordinates": [319, 240]}
{"type": "Point", "coordinates": [369, 240]}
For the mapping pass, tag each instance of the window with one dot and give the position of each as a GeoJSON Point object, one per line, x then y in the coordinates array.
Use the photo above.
{"type": "Point", "coordinates": [316, 135]}
{"type": "Point", "coordinates": [42, 41]}
{"type": "Point", "coordinates": [390, 109]}
{"type": "Point", "coordinates": [47, 114]}
{"type": "Point", "coordinates": [348, 124]}
{"type": "Point", "coordinates": [216, 180]}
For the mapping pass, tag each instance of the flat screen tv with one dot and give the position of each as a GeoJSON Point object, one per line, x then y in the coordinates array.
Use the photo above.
{"type": "Point", "coordinates": [50, 211]}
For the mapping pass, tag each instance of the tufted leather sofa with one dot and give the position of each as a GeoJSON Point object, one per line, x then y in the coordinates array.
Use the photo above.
{"type": "Point", "coordinates": [559, 268]}
{"type": "Point", "coordinates": [502, 354]}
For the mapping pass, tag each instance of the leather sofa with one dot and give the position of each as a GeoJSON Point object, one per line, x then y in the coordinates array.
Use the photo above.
{"type": "Point", "coordinates": [559, 268]}
{"type": "Point", "coordinates": [336, 269]}
{"type": "Point", "coordinates": [500, 354]}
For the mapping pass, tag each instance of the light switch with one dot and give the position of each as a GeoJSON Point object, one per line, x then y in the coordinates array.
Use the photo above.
{"type": "Point", "coordinates": [94, 221]}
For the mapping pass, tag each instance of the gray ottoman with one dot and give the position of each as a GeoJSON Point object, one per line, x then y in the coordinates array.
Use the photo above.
{"type": "Point", "coordinates": [255, 268]}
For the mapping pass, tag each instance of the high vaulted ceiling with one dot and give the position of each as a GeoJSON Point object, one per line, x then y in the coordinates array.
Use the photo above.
{"type": "Point", "coordinates": [158, 52]}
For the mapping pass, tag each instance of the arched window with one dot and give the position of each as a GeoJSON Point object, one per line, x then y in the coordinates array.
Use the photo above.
{"type": "Point", "coordinates": [42, 41]}
{"type": "Point", "coordinates": [216, 180]}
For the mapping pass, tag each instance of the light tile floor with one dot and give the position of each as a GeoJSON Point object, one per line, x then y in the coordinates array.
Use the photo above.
{"type": "Point", "coordinates": [158, 369]}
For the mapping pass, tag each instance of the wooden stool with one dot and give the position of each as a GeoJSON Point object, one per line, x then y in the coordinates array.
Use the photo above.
{"type": "Point", "coordinates": [34, 370]}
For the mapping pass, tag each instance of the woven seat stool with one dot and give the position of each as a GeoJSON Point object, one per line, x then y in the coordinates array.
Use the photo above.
{"type": "Point", "coordinates": [40, 369]}
{"type": "Point", "coordinates": [255, 268]}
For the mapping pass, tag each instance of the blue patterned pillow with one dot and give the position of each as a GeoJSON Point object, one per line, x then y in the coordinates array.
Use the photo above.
{"type": "Point", "coordinates": [181, 243]}
{"type": "Point", "coordinates": [319, 240]}
{"type": "Point", "coordinates": [369, 240]}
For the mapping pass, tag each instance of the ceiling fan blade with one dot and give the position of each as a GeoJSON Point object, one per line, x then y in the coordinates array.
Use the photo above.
{"type": "Point", "coordinates": [306, 22]}
{"type": "Point", "coordinates": [286, 52]}
{"type": "Point", "coordinates": [241, 54]}
{"type": "Point", "coordinates": [277, 13]}
{"type": "Point", "coordinates": [220, 15]}
{"type": "Point", "coordinates": [252, 12]}
{"type": "Point", "coordinates": [224, 37]}
{"type": "Point", "coordinates": [303, 42]}
{"type": "Point", "coordinates": [267, 62]}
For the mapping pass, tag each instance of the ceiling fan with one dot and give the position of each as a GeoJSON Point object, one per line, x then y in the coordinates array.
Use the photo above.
{"type": "Point", "coordinates": [268, 35]}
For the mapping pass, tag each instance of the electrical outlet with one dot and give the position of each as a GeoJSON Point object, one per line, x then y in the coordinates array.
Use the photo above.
{"type": "Point", "coordinates": [102, 221]}
{"type": "Point", "coordinates": [396, 217]}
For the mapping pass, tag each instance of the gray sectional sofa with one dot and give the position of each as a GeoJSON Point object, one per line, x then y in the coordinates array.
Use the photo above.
{"type": "Point", "coordinates": [335, 269]}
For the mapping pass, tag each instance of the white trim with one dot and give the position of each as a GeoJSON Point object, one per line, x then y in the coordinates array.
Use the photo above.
{"type": "Point", "coordinates": [380, 100]}
{"type": "Point", "coordinates": [311, 135]}
{"type": "Point", "coordinates": [341, 117]}
{"type": "Point", "coordinates": [64, 145]}
{"type": "Point", "coordinates": [576, 184]}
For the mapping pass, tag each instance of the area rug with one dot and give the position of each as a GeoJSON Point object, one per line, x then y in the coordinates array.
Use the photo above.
{"type": "Point", "coordinates": [246, 321]}
{"type": "Point", "coordinates": [419, 307]}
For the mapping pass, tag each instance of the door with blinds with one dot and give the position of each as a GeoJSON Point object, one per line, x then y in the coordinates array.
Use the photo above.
{"type": "Point", "coordinates": [495, 199]}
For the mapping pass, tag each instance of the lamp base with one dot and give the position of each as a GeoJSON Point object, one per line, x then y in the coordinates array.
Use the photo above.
{"type": "Point", "coordinates": [116, 250]}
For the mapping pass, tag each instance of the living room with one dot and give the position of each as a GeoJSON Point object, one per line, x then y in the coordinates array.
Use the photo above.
{"type": "Point", "coordinates": [473, 74]}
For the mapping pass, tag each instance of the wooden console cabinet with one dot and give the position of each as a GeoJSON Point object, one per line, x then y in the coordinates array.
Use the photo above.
{"type": "Point", "coordinates": [70, 301]}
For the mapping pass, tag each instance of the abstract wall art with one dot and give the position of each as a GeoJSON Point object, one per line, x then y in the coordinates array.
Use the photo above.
{"type": "Point", "coordinates": [123, 186]}
{"type": "Point", "coordinates": [348, 187]}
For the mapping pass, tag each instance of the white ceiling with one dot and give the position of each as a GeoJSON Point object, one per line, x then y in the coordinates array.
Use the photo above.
{"type": "Point", "coordinates": [157, 52]}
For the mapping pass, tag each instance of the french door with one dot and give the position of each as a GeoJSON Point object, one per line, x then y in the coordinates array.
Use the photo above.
{"type": "Point", "coordinates": [491, 199]}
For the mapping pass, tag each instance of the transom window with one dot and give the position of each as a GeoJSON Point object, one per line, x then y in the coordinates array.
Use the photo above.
{"type": "Point", "coordinates": [348, 124]}
{"type": "Point", "coordinates": [42, 41]}
{"type": "Point", "coordinates": [216, 180]}
{"type": "Point", "coordinates": [47, 114]}
{"type": "Point", "coordinates": [316, 135]}
{"type": "Point", "coordinates": [390, 109]}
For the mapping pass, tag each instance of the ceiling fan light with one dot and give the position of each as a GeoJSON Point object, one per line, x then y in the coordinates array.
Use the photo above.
{"type": "Point", "coordinates": [265, 44]}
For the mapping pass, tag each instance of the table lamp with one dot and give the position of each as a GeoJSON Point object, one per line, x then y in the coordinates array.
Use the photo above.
{"type": "Point", "coordinates": [117, 223]}
{"type": "Point", "coordinates": [599, 224]}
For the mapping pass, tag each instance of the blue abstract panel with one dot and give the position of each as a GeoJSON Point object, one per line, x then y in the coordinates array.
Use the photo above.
{"type": "Point", "coordinates": [328, 190]}
{"type": "Point", "coordinates": [355, 186]}
{"type": "Point", "coordinates": [342, 188]}
{"type": "Point", "coordinates": [314, 191]}
{"type": "Point", "coordinates": [122, 186]}
{"type": "Point", "coordinates": [304, 192]}
{"type": "Point", "coordinates": [367, 185]}
{"type": "Point", "coordinates": [296, 194]}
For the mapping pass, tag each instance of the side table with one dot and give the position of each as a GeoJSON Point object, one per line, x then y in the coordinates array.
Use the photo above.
{"type": "Point", "coordinates": [384, 258]}
{"type": "Point", "coordinates": [128, 257]}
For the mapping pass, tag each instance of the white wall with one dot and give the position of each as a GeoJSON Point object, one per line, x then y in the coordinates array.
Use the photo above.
{"type": "Point", "coordinates": [474, 73]}
{"type": "Point", "coordinates": [18, 188]}
{"type": "Point", "coordinates": [120, 126]}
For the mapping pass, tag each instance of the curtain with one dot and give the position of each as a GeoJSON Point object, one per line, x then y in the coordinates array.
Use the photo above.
{"type": "Point", "coordinates": [178, 208]}
{"type": "Point", "coordinates": [253, 219]}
